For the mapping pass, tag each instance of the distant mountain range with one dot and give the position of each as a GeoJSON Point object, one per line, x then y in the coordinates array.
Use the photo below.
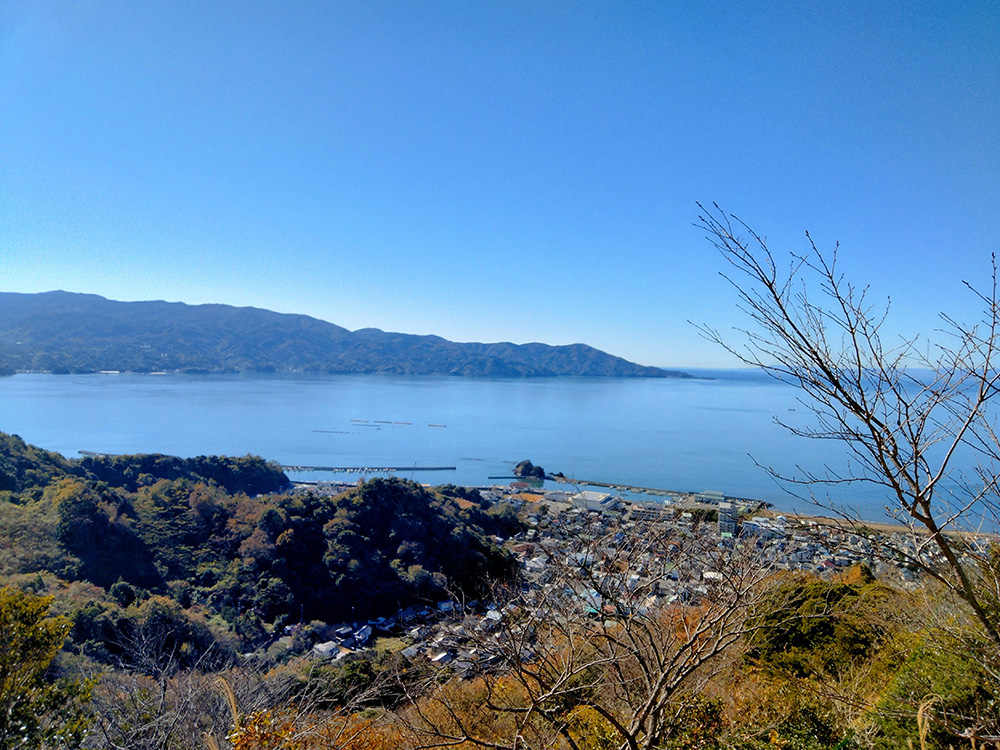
{"type": "Point", "coordinates": [63, 332]}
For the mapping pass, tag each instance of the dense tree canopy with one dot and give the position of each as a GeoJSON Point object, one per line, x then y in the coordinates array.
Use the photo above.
{"type": "Point", "coordinates": [213, 538]}
{"type": "Point", "coordinates": [35, 710]}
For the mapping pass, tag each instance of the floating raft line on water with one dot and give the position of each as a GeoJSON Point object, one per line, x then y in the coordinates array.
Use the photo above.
{"type": "Point", "coordinates": [386, 421]}
{"type": "Point", "coordinates": [348, 469]}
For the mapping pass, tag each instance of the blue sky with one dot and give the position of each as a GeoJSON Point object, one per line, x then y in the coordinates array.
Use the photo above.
{"type": "Point", "coordinates": [495, 171]}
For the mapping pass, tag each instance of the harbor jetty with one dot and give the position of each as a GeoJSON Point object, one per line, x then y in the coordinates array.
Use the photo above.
{"type": "Point", "coordinates": [616, 486]}
{"type": "Point", "coordinates": [694, 498]}
{"type": "Point", "coordinates": [372, 469]}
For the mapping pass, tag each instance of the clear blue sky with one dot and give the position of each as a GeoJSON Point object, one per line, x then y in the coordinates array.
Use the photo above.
{"type": "Point", "coordinates": [485, 171]}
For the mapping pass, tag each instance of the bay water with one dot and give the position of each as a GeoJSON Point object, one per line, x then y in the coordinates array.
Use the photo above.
{"type": "Point", "coordinates": [705, 433]}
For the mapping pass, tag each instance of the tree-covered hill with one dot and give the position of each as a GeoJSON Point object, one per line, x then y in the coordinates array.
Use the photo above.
{"type": "Point", "coordinates": [221, 537]}
{"type": "Point", "coordinates": [24, 466]}
{"type": "Point", "coordinates": [63, 332]}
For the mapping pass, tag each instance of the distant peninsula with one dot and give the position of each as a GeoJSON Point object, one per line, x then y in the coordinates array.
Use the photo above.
{"type": "Point", "coordinates": [64, 332]}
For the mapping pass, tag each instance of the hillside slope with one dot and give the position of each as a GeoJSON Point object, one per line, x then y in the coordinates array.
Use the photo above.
{"type": "Point", "coordinates": [64, 332]}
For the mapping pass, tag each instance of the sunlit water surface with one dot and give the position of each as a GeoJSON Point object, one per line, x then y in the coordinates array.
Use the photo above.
{"type": "Point", "coordinates": [707, 433]}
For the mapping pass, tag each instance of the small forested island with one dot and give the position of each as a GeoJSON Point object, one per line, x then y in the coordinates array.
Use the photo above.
{"type": "Point", "coordinates": [62, 332]}
{"type": "Point", "coordinates": [151, 601]}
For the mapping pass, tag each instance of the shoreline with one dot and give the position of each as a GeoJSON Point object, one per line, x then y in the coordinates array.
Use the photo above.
{"type": "Point", "coordinates": [887, 527]}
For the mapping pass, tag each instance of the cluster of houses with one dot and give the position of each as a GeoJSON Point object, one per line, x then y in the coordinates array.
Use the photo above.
{"type": "Point", "coordinates": [791, 544]}
{"type": "Point", "coordinates": [581, 531]}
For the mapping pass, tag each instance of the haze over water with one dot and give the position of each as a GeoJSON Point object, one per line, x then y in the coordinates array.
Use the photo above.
{"type": "Point", "coordinates": [695, 434]}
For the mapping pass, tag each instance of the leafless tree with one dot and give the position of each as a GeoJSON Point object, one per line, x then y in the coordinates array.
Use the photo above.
{"type": "Point", "coordinates": [910, 412]}
{"type": "Point", "coordinates": [133, 711]}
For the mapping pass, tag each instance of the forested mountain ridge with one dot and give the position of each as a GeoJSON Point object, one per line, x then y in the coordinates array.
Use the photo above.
{"type": "Point", "coordinates": [64, 332]}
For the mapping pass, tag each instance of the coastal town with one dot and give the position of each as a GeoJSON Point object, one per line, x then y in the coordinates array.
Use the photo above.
{"type": "Point", "coordinates": [581, 547]}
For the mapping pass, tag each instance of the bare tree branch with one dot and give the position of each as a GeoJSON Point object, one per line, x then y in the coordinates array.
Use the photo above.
{"type": "Point", "coordinates": [903, 413]}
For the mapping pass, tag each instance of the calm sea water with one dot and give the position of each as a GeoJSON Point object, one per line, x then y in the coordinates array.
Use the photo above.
{"type": "Point", "coordinates": [698, 434]}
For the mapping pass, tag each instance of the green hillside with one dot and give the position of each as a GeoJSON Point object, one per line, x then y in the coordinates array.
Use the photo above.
{"type": "Point", "coordinates": [62, 332]}
{"type": "Point", "coordinates": [223, 536]}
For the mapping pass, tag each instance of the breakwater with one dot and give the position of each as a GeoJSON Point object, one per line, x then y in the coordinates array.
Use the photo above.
{"type": "Point", "coordinates": [357, 469]}
{"type": "Point", "coordinates": [617, 486]}
{"type": "Point", "coordinates": [676, 494]}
